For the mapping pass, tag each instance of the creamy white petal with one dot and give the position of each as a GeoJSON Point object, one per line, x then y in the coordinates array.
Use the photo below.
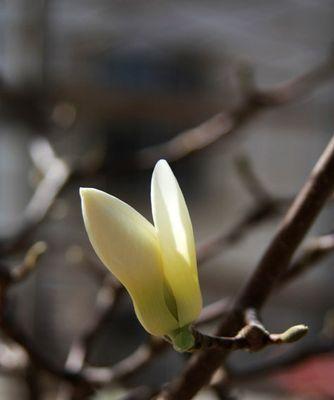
{"type": "Point", "coordinates": [127, 244]}
{"type": "Point", "coordinates": [176, 238]}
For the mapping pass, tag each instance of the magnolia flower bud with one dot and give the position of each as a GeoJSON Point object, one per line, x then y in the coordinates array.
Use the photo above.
{"type": "Point", "coordinates": [156, 264]}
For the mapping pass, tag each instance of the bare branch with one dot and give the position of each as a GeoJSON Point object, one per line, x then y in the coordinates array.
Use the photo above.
{"type": "Point", "coordinates": [291, 232]}
{"type": "Point", "coordinates": [272, 266]}
{"type": "Point", "coordinates": [315, 251]}
{"type": "Point", "coordinates": [56, 174]}
{"type": "Point", "coordinates": [250, 180]}
{"type": "Point", "coordinates": [252, 218]}
{"type": "Point", "coordinates": [29, 263]}
{"type": "Point", "coordinates": [128, 366]}
{"type": "Point", "coordinates": [253, 336]}
{"type": "Point", "coordinates": [287, 360]}
{"type": "Point", "coordinates": [226, 122]}
{"type": "Point", "coordinates": [264, 208]}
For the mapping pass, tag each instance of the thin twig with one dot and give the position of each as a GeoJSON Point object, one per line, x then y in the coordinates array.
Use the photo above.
{"type": "Point", "coordinates": [273, 264]}
{"type": "Point", "coordinates": [315, 251]}
{"type": "Point", "coordinates": [129, 365]}
{"type": "Point", "coordinates": [56, 174]}
{"type": "Point", "coordinates": [226, 122]}
{"type": "Point", "coordinates": [107, 299]}
{"type": "Point", "coordinates": [264, 207]}
{"type": "Point", "coordinates": [287, 360]}
{"type": "Point", "coordinates": [253, 217]}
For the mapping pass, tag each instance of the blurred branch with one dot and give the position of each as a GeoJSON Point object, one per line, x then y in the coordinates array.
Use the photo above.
{"type": "Point", "coordinates": [139, 393]}
{"type": "Point", "coordinates": [292, 230]}
{"type": "Point", "coordinates": [107, 299]}
{"type": "Point", "coordinates": [250, 180]}
{"type": "Point", "coordinates": [129, 365]}
{"type": "Point", "coordinates": [299, 218]}
{"type": "Point", "coordinates": [84, 378]}
{"type": "Point", "coordinates": [315, 251]}
{"type": "Point", "coordinates": [75, 372]}
{"type": "Point", "coordinates": [252, 218]}
{"type": "Point", "coordinates": [29, 263]}
{"type": "Point", "coordinates": [56, 173]}
{"type": "Point", "coordinates": [9, 276]}
{"type": "Point", "coordinates": [264, 207]}
{"type": "Point", "coordinates": [289, 359]}
{"type": "Point", "coordinates": [226, 122]}
{"type": "Point", "coordinates": [145, 353]}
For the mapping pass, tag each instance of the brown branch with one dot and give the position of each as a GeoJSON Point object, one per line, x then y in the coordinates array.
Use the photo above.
{"type": "Point", "coordinates": [74, 371]}
{"type": "Point", "coordinates": [226, 122]}
{"type": "Point", "coordinates": [145, 354]}
{"type": "Point", "coordinates": [273, 264]}
{"type": "Point", "coordinates": [291, 232]}
{"type": "Point", "coordinates": [142, 356]}
{"type": "Point", "coordinates": [55, 178]}
{"type": "Point", "coordinates": [315, 251]}
{"type": "Point", "coordinates": [253, 336]}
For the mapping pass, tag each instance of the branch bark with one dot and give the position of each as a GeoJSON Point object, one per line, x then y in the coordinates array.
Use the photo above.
{"type": "Point", "coordinates": [271, 267]}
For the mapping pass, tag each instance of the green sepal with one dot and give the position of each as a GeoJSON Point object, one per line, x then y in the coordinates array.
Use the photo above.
{"type": "Point", "coordinates": [182, 339]}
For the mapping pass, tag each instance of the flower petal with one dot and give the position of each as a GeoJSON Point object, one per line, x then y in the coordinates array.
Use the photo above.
{"type": "Point", "coordinates": [127, 244]}
{"type": "Point", "coordinates": [176, 238]}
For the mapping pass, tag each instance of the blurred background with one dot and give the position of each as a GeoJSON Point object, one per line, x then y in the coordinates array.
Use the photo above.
{"type": "Point", "coordinates": [86, 88]}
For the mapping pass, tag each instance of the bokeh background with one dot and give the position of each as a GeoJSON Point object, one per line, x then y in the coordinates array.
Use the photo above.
{"type": "Point", "coordinates": [100, 81]}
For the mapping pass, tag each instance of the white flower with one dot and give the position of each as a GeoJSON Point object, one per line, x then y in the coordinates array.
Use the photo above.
{"type": "Point", "coordinates": [156, 264]}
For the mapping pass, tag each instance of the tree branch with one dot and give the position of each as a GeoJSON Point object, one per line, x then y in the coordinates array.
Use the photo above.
{"type": "Point", "coordinates": [56, 174]}
{"type": "Point", "coordinates": [315, 251]}
{"type": "Point", "coordinates": [226, 122]}
{"type": "Point", "coordinates": [287, 360]}
{"type": "Point", "coordinates": [272, 266]}
{"type": "Point", "coordinates": [264, 207]}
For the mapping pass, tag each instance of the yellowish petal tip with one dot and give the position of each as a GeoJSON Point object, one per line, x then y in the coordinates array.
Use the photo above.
{"type": "Point", "coordinates": [88, 194]}
{"type": "Point", "coordinates": [84, 191]}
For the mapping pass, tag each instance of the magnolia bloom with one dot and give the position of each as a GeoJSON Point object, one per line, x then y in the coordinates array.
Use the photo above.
{"type": "Point", "coordinates": [156, 263]}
